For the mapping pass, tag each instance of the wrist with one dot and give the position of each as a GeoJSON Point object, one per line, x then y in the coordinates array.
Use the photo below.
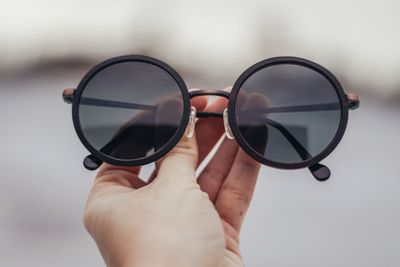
{"type": "Point", "coordinates": [156, 259]}
{"type": "Point", "coordinates": [159, 252]}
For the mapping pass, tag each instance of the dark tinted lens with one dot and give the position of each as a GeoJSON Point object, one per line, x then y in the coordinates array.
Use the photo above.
{"type": "Point", "coordinates": [288, 113]}
{"type": "Point", "coordinates": [130, 110]}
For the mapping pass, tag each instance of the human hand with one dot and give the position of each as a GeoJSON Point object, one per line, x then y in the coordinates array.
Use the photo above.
{"type": "Point", "coordinates": [175, 219]}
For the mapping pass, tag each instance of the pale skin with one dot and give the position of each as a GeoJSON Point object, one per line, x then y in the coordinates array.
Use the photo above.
{"type": "Point", "coordinates": [175, 218]}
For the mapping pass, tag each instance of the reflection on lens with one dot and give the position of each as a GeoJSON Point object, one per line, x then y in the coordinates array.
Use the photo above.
{"type": "Point", "coordinates": [288, 113]}
{"type": "Point", "coordinates": [130, 110]}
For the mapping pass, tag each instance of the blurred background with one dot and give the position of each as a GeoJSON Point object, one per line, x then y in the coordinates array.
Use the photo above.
{"type": "Point", "coordinates": [351, 220]}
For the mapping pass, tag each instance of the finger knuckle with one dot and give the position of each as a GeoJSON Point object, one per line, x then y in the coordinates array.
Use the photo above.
{"type": "Point", "coordinates": [238, 194]}
{"type": "Point", "coordinates": [88, 220]}
{"type": "Point", "coordinates": [214, 174]}
{"type": "Point", "coordinates": [247, 167]}
{"type": "Point", "coordinates": [182, 151]}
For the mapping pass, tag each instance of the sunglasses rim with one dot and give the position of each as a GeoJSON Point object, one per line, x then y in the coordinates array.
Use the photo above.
{"type": "Point", "coordinates": [161, 152]}
{"type": "Point", "coordinates": [293, 61]}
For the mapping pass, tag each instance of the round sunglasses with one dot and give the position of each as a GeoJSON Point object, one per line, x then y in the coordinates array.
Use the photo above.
{"type": "Point", "coordinates": [285, 112]}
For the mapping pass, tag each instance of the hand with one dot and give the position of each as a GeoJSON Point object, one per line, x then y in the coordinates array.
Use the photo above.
{"type": "Point", "coordinates": [175, 219]}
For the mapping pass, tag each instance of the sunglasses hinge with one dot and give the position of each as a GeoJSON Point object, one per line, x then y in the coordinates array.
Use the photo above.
{"type": "Point", "coordinates": [68, 95]}
{"type": "Point", "coordinates": [353, 101]}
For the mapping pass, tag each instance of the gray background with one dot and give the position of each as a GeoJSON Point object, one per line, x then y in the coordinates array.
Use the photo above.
{"type": "Point", "coordinates": [351, 220]}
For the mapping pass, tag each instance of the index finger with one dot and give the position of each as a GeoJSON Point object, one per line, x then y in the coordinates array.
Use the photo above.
{"type": "Point", "coordinates": [210, 130]}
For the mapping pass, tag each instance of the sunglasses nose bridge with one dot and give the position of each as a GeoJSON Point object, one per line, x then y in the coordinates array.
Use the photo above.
{"type": "Point", "coordinates": [196, 93]}
{"type": "Point", "coordinates": [200, 114]}
{"type": "Point", "coordinates": [203, 114]}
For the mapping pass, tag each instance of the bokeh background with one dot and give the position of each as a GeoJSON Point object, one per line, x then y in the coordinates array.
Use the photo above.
{"type": "Point", "coordinates": [351, 220]}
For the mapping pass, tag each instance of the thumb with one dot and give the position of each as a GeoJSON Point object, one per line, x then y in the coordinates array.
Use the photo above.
{"type": "Point", "coordinates": [180, 163]}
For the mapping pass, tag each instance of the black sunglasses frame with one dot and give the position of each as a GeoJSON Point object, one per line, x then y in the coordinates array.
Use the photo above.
{"type": "Point", "coordinates": [344, 107]}
{"type": "Point", "coordinates": [319, 171]}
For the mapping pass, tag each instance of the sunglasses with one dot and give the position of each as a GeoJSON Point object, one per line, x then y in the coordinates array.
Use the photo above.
{"type": "Point", "coordinates": [285, 112]}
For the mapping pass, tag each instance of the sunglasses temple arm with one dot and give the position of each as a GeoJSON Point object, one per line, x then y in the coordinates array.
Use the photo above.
{"type": "Point", "coordinates": [68, 97]}
{"type": "Point", "coordinates": [127, 105]}
{"type": "Point", "coordinates": [288, 109]}
{"type": "Point", "coordinates": [353, 102]}
{"type": "Point", "coordinates": [118, 104]}
{"type": "Point", "coordinates": [319, 171]}
{"type": "Point", "coordinates": [91, 162]}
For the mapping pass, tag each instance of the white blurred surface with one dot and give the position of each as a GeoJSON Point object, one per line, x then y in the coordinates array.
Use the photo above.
{"type": "Point", "coordinates": [357, 39]}
{"type": "Point", "coordinates": [351, 220]}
